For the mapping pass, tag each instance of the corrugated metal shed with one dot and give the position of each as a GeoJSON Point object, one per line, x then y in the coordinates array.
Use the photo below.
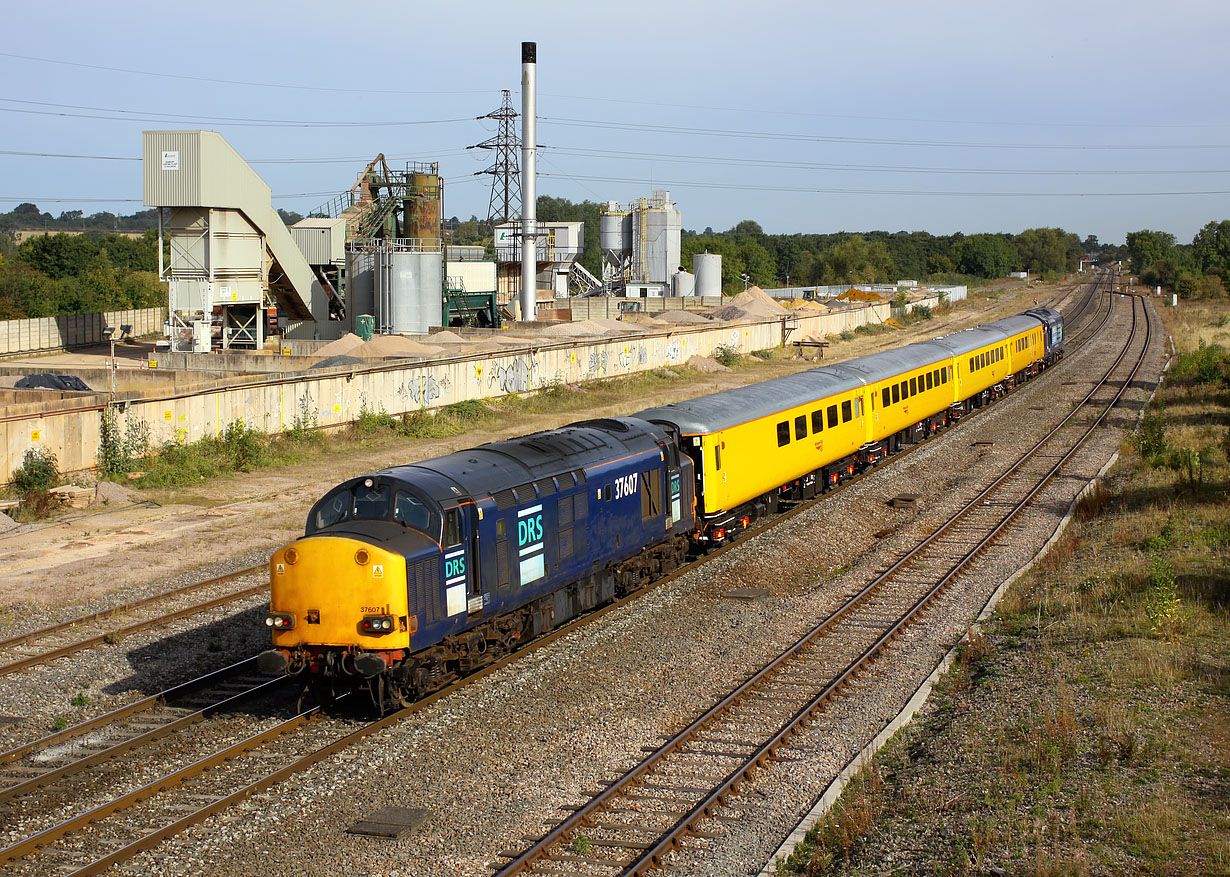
{"type": "Point", "coordinates": [321, 240]}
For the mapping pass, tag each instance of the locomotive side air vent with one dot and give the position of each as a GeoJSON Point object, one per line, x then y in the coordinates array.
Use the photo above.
{"type": "Point", "coordinates": [505, 499]}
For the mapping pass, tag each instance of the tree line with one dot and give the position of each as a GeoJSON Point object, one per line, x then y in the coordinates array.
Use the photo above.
{"type": "Point", "coordinates": [1200, 269]}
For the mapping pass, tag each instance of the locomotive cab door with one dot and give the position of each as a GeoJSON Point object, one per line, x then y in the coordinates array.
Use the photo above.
{"type": "Point", "coordinates": [462, 584]}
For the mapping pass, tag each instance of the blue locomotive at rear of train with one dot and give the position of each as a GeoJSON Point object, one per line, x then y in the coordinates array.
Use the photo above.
{"type": "Point", "coordinates": [415, 575]}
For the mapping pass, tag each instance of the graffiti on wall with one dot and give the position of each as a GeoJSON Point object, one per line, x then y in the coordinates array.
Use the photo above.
{"type": "Point", "coordinates": [520, 375]}
{"type": "Point", "coordinates": [597, 362]}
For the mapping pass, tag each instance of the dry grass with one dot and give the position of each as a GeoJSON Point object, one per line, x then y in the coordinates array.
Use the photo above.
{"type": "Point", "coordinates": [1088, 735]}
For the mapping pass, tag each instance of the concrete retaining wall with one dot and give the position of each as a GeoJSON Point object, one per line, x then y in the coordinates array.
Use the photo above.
{"type": "Point", "coordinates": [76, 330]}
{"type": "Point", "coordinates": [189, 405]}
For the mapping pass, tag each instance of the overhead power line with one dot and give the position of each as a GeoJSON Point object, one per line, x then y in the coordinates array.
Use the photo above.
{"type": "Point", "coordinates": [885, 168]}
{"type": "Point", "coordinates": [872, 141]}
{"type": "Point", "coordinates": [145, 116]}
{"type": "Point", "coordinates": [247, 84]}
{"type": "Point", "coordinates": [748, 187]}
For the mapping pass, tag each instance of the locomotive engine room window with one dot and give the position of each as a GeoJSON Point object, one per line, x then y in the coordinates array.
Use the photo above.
{"type": "Point", "coordinates": [817, 421]}
{"type": "Point", "coordinates": [800, 427]}
{"type": "Point", "coordinates": [896, 393]}
{"type": "Point", "coordinates": [887, 397]}
{"type": "Point", "coordinates": [832, 412]}
{"type": "Point", "coordinates": [783, 434]}
{"type": "Point", "coordinates": [651, 494]}
{"type": "Point", "coordinates": [452, 528]}
{"type": "Point", "coordinates": [846, 411]}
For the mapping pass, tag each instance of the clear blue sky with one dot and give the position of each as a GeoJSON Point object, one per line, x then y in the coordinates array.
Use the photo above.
{"type": "Point", "coordinates": [806, 117]}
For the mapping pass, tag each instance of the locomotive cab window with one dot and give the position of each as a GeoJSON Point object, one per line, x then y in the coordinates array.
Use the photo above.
{"type": "Point", "coordinates": [832, 413]}
{"type": "Point", "coordinates": [800, 427]}
{"type": "Point", "coordinates": [409, 511]}
{"type": "Point", "coordinates": [783, 433]}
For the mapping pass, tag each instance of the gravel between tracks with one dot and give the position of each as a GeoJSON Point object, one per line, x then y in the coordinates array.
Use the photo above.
{"type": "Point", "coordinates": [494, 762]}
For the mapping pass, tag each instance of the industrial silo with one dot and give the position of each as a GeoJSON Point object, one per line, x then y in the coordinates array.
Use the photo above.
{"type": "Point", "coordinates": [407, 290]}
{"type": "Point", "coordinates": [656, 232]}
{"type": "Point", "coordinates": [683, 284]}
{"type": "Point", "coordinates": [708, 270]}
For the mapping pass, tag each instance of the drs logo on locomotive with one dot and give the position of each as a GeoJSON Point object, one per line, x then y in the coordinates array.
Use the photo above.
{"type": "Point", "coordinates": [455, 567]}
{"type": "Point", "coordinates": [529, 530]}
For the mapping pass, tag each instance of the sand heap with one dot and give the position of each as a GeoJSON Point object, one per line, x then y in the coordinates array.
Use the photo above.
{"type": "Point", "coordinates": [447, 337]}
{"type": "Point", "coordinates": [802, 304]}
{"type": "Point", "coordinates": [396, 346]}
{"type": "Point", "coordinates": [679, 318]}
{"type": "Point", "coordinates": [758, 303]}
{"type": "Point", "coordinates": [342, 346]}
{"type": "Point", "coordinates": [589, 327]}
{"type": "Point", "coordinates": [642, 320]}
{"type": "Point", "coordinates": [705, 364]}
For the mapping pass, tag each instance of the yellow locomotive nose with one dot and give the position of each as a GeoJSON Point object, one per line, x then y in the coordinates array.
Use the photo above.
{"type": "Point", "coordinates": [334, 591]}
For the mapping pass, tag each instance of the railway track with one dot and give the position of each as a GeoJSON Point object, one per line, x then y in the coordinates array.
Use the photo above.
{"type": "Point", "coordinates": [641, 818]}
{"type": "Point", "coordinates": [16, 652]}
{"type": "Point", "coordinates": [145, 813]}
{"type": "Point", "coordinates": [100, 627]}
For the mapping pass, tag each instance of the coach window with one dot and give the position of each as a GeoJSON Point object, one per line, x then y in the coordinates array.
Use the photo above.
{"type": "Point", "coordinates": [717, 458]}
{"type": "Point", "coordinates": [783, 433]}
{"type": "Point", "coordinates": [887, 397]}
{"type": "Point", "coordinates": [817, 421]}
{"type": "Point", "coordinates": [452, 528]}
{"type": "Point", "coordinates": [832, 416]}
{"type": "Point", "coordinates": [800, 427]}
{"type": "Point", "coordinates": [896, 394]}
{"type": "Point", "coordinates": [847, 411]}
{"type": "Point", "coordinates": [930, 376]}
{"type": "Point", "coordinates": [913, 386]}
{"type": "Point", "coordinates": [944, 374]}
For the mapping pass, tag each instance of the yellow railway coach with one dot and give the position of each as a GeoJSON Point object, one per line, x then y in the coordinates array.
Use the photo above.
{"type": "Point", "coordinates": [791, 437]}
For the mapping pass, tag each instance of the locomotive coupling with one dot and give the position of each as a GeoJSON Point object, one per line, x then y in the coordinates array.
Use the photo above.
{"type": "Point", "coordinates": [274, 661]}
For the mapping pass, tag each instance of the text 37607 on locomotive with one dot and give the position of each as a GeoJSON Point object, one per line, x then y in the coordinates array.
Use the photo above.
{"type": "Point", "coordinates": [412, 576]}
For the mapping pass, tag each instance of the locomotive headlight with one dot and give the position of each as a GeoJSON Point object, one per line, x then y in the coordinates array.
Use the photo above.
{"type": "Point", "coordinates": [291, 554]}
{"type": "Point", "coordinates": [280, 620]}
{"type": "Point", "coordinates": [376, 625]}
{"type": "Point", "coordinates": [362, 556]}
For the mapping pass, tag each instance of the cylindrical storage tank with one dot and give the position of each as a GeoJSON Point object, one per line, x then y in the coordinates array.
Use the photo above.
{"type": "Point", "coordinates": [423, 215]}
{"type": "Point", "coordinates": [615, 236]}
{"type": "Point", "coordinates": [683, 284]}
{"type": "Point", "coordinates": [708, 270]}
{"type": "Point", "coordinates": [409, 292]}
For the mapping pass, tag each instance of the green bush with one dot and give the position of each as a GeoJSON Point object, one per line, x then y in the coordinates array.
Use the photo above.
{"type": "Point", "coordinates": [726, 355]}
{"type": "Point", "coordinates": [922, 312]}
{"type": "Point", "coordinates": [1150, 438]}
{"type": "Point", "coordinates": [1207, 364]}
{"type": "Point", "coordinates": [120, 449]}
{"type": "Point", "coordinates": [38, 473]}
